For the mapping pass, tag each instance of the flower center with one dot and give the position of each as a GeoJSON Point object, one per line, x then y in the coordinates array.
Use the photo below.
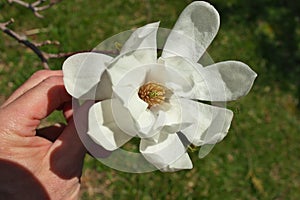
{"type": "Point", "coordinates": [152, 93]}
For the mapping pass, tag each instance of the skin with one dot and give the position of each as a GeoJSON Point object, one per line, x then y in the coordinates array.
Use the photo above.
{"type": "Point", "coordinates": [45, 163]}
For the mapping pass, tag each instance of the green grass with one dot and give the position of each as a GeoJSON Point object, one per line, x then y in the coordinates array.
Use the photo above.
{"type": "Point", "coordinates": [259, 159]}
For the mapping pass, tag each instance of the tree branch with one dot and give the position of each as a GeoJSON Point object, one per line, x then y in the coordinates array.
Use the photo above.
{"type": "Point", "coordinates": [23, 40]}
{"type": "Point", "coordinates": [36, 6]}
{"type": "Point", "coordinates": [44, 56]}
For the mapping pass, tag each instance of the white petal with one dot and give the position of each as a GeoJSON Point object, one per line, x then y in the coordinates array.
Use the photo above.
{"type": "Point", "coordinates": [82, 74]}
{"type": "Point", "coordinates": [199, 116]}
{"type": "Point", "coordinates": [225, 81]}
{"type": "Point", "coordinates": [184, 162]}
{"type": "Point", "coordinates": [135, 77]}
{"type": "Point", "coordinates": [123, 118]}
{"type": "Point", "coordinates": [168, 114]}
{"type": "Point", "coordinates": [143, 118]}
{"type": "Point", "coordinates": [169, 77]}
{"type": "Point", "coordinates": [216, 132]}
{"type": "Point", "coordinates": [219, 126]}
{"type": "Point", "coordinates": [166, 151]}
{"type": "Point", "coordinates": [80, 117]}
{"type": "Point", "coordinates": [195, 29]}
{"type": "Point", "coordinates": [170, 117]}
{"type": "Point", "coordinates": [139, 50]}
{"type": "Point", "coordinates": [208, 124]}
{"type": "Point", "coordinates": [143, 38]}
{"type": "Point", "coordinates": [121, 67]}
{"type": "Point", "coordinates": [222, 81]}
{"type": "Point", "coordinates": [130, 99]}
{"type": "Point", "coordinates": [145, 124]}
{"type": "Point", "coordinates": [102, 127]}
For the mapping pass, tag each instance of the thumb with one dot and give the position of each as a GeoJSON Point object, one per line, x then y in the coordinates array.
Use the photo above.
{"type": "Point", "coordinates": [67, 153]}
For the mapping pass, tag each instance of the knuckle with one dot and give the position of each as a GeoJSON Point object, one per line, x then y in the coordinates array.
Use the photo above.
{"type": "Point", "coordinates": [53, 80]}
{"type": "Point", "coordinates": [41, 74]}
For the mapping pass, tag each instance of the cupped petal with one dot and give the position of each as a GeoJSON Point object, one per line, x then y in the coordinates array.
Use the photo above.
{"type": "Point", "coordinates": [199, 116]}
{"type": "Point", "coordinates": [130, 99]}
{"type": "Point", "coordinates": [82, 74]}
{"type": "Point", "coordinates": [102, 126]}
{"type": "Point", "coordinates": [184, 162]}
{"type": "Point", "coordinates": [163, 152]}
{"type": "Point", "coordinates": [219, 126]}
{"type": "Point", "coordinates": [139, 50]}
{"type": "Point", "coordinates": [181, 75]}
{"type": "Point", "coordinates": [142, 117]}
{"type": "Point", "coordinates": [123, 118]}
{"type": "Point", "coordinates": [170, 77]}
{"type": "Point", "coordinates": [193, 32]}
{"type": "Point", "coordinates": [191, 75]}
{"type": "Point", "coordinates": [134, 77]}
{"type": "Point", "coordinates": [209, 124]}
{"type": "Point", "coordinates": [143, 38]}
{"type": "Point", "coordinates": [123, 65]}
{"type": "Point", "coordinates": [225, 81]}
{"type": "Point", "coordinates": [170, 118]}
{"type": "Point", "coordinates": [216, 132]}
{"type": "Point", "coordinates": [145, 124]}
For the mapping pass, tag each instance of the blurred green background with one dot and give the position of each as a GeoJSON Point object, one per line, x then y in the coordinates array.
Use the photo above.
{"type": "Point", "coordinates": [259, 159]}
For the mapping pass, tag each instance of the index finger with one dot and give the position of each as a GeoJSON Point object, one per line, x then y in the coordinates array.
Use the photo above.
{"type": "Point", "coordinates": [23, 115]}
{"type": "Point", "coordinates": [34, 80]}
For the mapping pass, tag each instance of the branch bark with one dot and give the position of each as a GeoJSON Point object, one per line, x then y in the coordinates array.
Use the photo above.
{"type": "Point", "coordinates": [44, 56]}
{"type": "Point", "coordinates": [23, 40]}
{"type": "Point", "coordinates": [36, 6]}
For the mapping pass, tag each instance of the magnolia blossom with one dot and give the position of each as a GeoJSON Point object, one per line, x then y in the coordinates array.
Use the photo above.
{"type": "Point", "coordinates": [160, 100]}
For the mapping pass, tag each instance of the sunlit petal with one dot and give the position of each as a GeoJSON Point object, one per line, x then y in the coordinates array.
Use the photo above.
{"type": "Point", "coordinates": [82, 74]}
{"type": "Point", "coordinates": [167, 150]}
{"type": "Point", "coordinates": [143, 38]}
{"type": "Point", "coordinates": [102, 127]}
{"type": "Point", "coordinates": [184, 162]}
{"type": "Point", "coordinates": [139, 50]}
{"type": "Point", "coordinates": [194, 30]}
{"type": "Point", "coordinates": [224, 81]}
{"type": "Point", "coordinates": [209, 124]}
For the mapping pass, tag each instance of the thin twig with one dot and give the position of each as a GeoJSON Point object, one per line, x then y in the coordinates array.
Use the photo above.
{"type": "Point", "coordinates": [36, 7]}
{"type": "Point", "coordinates": [23, 40]}
{"type": "Point", "coordinates": [36, 31]}
{"type": "Point", "coordinates": [44, 56]}
{"type": "Point", "coordinates": [68, 54]}
{"type": "Point", "coordinates": [47, 42]}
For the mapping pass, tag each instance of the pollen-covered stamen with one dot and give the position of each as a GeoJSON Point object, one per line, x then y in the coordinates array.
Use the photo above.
{"type": "Point", "coordinates": [152, 93]}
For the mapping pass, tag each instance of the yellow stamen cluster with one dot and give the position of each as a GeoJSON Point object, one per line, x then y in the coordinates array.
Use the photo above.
{"type": "Point", "coordinates": [152, 94]}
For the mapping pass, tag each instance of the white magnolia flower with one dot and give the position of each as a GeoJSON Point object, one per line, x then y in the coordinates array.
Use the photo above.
{"type": "Point", "coordinates": [158, 100]}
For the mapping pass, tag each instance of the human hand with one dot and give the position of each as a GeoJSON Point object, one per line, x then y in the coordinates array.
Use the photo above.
{"type": "Point", "coordinates": [45, 163]}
